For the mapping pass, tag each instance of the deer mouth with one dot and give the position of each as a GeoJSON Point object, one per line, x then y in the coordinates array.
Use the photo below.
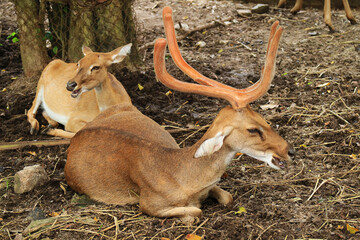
{"type": "Point", "coordinates": [76, 93]}
{"type": "Point", "coordinates": [279, 163]}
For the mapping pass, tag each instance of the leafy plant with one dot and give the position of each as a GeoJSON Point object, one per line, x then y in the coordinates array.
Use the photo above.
{"type": "Point", "coordinates": [14, 36]}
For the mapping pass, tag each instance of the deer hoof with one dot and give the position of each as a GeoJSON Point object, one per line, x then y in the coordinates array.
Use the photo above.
{"type": "Point", "coordinates": [34, 131]}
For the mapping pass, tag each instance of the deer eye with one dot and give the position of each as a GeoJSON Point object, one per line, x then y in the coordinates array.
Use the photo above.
{"type": "Point", "coordinates": [95, 68]}
{"type": "Point", "coordinates": [256, 131]}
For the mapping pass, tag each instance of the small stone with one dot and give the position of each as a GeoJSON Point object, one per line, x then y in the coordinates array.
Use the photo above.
{"type": "Point", "coordinates": [182, 26]}
{"type": "Point", "coordinates": [36, 214]}
{"type": "Point", "coordinates": [314, 33]}
{"type": "Point", "coordinates": [200, 44]}
{"type": "Point", "coordinates": [29, 178]}
{"type": "Point", "coordinates": [260, 8]}
{"type": "Point", "coordinates": [244, 13]}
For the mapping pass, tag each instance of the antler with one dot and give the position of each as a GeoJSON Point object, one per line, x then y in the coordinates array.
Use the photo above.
{"type": "Point", "coordinates": [238, 98]}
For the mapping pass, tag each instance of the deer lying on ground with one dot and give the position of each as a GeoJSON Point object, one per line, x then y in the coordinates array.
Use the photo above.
{"type": "Point", "coordinates": [327, 11]}
{"type": "Point", "coordinates": [124, 157]}
{"type": "Point", "coordinates": [83, 104]}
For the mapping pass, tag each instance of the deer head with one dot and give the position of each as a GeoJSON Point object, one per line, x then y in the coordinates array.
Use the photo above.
{"type": "Point", "coordinates": [92, 69]}
{"type": "Point", "coordinates": [238, 127]}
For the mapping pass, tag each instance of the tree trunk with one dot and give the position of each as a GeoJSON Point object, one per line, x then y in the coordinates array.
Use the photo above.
{"type": "Point", "coordinates": [81, 29]}
{"type": "Point", "coordinates": [32, 44]}
{"type": "Point", "coordinates": [102, 27]}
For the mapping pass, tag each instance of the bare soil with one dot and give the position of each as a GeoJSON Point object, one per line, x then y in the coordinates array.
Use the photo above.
{"type": "Point", "coordinates": [315, 98]}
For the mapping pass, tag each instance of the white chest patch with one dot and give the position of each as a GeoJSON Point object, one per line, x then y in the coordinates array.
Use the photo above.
{"type": "Point", "coordinates": [53, 115]}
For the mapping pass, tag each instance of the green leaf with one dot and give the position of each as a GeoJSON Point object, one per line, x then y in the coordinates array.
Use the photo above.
{"type": "Point", "coordinates": [15, 40]}
{"type": "Point", "coordinates": [55, 49]}
{"type": "Point", "coordinates": [11, 35]}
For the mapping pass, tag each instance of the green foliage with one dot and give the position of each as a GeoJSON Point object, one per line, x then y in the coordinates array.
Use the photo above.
{"type": "Point", "coordinates": [49, 36]}
{"type": "Point", "coordinates": [14, 36]}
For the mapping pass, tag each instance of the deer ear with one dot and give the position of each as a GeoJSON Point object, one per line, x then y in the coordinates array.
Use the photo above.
{"type": "Point", "coordinates": [120, 53]}
{"type": "Point", "coordinates": [86, 50]}
{"type": "Point", "coordinates": [211, 145]}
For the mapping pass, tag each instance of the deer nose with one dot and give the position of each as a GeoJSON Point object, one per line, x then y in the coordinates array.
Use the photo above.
{"type": "Point", "coordinates": [70, 86]}
{"type": "Point", "coordinates": [291, 153]}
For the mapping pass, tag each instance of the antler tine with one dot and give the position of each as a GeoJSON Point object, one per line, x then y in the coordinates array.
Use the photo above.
{"type": "Point", "coordinates": [171, 82]}
{"type": "Point", "coordinates": [261, 87]}
{"type": "Point", "coordinates": [238, 98]}
{"type": "Point", "coordinates": [176, 55]}
{"type": "Point", "coordinates": [271, 36]}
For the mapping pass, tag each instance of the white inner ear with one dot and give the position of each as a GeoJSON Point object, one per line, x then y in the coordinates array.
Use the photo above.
{"type": "Point", "coordinates": [86, 50]}
{"type": "Point", "coordinates": [213, 144]}
{"type": "Point", "coordinates": [124, 51]}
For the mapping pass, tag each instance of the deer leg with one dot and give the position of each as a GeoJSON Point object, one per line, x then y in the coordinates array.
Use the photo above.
{"type": "Point", "coordinates": [186, 214]}
{"type": "Point", "coordinates": [348, 12]}
{"type": "Point", "coordinates": [221, 195]}
{"type": "Point", "coordinates": [297, 7]}
{"type": "Point", "coordinates": [34, 129]}
{"type": "Point", "coordinates": [60, 133]}
{"type": "Point", "coordinates": [281, 3]}
{"type": "Point", "coordinates": [327, 15]}
{"type": "Point", "coordinates": [77, 121]}
{"type": "Point", "coordinates": [31, 113]}
{"type": "Point", "coordinates": [51, 122]}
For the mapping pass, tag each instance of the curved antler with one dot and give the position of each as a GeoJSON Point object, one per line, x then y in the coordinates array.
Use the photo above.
{"type": "Point", "coordinates": [237, 97]}
{"type": "Point", "coordinates": [176, 55]}
{"type": "Point", "coordinates": [171, 82]}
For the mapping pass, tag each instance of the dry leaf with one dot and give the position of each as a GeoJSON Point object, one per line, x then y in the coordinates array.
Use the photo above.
{"type": "Point", "coordinates": [351, 229]}
{"type": "Point", "coordinates": [353, 156]}
{"type": "Point", "coordinates": [323, 85]}
{"type": "Point", "coordinates": [165, 238]}
{"type": "Point", "coordinates": [241, 210]}
{"type": "Point", "coordinates": [168, 93]}
{"type": "Point", "coordinates": [32, 153]}
{"type": "Point", "coordinates": [193, 237]}
{"type": "Point", "coordinates": [140, 87]}
{"type": "Point", "coordinates": [54, 214]}
{"type": "Point", "coordinates": [269, 106]}
{"type": "Point", "coordinates": [63, 188]}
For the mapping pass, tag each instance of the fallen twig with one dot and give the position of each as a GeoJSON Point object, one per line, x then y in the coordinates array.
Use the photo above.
{"type": "Point", "coordinates": [196, 29]}
{"type": "Point", "coordinates": [15, 145]}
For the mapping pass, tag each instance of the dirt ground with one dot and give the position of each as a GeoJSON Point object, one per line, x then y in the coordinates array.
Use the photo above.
{"type": "Point", "coordinates": [315, 106]}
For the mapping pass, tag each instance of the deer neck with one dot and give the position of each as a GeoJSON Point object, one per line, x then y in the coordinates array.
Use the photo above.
{"type": "Point", "coordinates": [206, 170]}
{"type": "Point", "coordinates": [106, 94]}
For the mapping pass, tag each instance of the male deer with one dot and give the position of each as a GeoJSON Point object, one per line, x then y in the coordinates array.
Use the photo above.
{"type": "Point", "coordinates": [72, 110]}
{"type": "Point", "coordinates": [327, 11]}
{"type": "Point", "coordinates": [124, 157]}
